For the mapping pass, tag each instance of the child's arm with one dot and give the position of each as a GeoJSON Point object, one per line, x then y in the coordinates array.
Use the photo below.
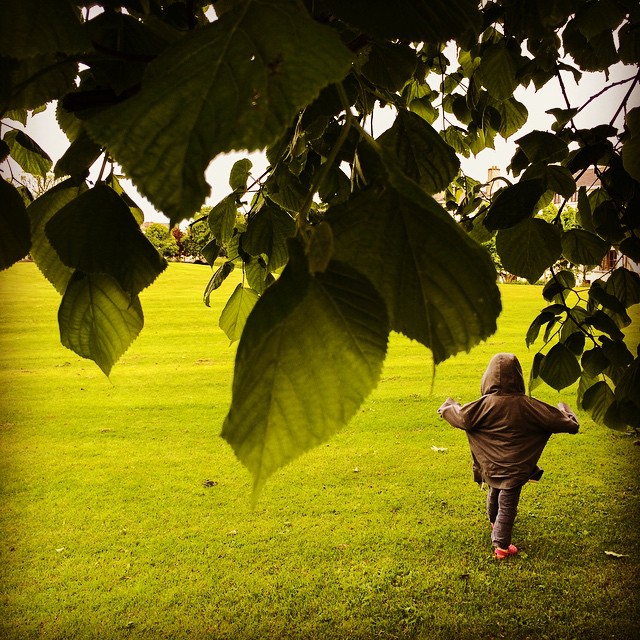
{"type": "Point", "coordinates": [450, 411]}
{"type": "Point", "coordinates": [568, 421]}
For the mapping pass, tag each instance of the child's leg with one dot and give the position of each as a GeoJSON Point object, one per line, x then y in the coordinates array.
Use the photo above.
{"type": "Point", "coordinates": [492, 504]}
{"type": "Point", "coordinates": [507, 510]}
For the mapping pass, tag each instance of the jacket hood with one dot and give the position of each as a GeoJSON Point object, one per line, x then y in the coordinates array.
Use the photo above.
{"type": "Point", "coordinates": [503, 376]}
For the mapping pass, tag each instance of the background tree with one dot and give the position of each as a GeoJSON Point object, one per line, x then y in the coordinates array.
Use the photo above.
{"type": "Point", "coordinates": [161, 88]}
{"type": "Point", "coordinates": [198, 235]}
{"type": "Point", "coordinates": [162, 239]}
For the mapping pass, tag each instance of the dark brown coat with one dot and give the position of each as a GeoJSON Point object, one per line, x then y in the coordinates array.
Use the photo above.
{"type": "Point", "coordinates": [507, 430]}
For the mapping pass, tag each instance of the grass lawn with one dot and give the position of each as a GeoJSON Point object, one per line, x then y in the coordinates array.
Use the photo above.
{"type": "Point", "coordinates": [124, 515]}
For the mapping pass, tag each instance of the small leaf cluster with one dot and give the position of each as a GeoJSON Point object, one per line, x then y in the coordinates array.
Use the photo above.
{"type": "Point", "coordinates": [347, 236]}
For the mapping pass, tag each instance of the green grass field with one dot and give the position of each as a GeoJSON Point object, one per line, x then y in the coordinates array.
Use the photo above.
{"type": "Point", "coordinates": [124, 515]}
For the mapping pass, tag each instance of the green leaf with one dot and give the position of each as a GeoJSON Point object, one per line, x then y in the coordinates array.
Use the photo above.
{"type": "Point", "coordinates": [595, 17]}
{"type": "Point", "coordinates": [31, 27]}
{"type": "Point", "coordinates": [595, 54]}
{"type": "Point", "coordinates": [534, 376]}
{"type": "Point", "coordinates": [560, 368]}
{"type": "Point", "coordinates": [27, 153]}
{"type": "Point", "coordinates": [630, 247]}
{"type": "Point", "coordinates": [575, 343]}
{"type": "Point", "coordinates": [513, 116]}
{"type": "Point", "coordinates": [310, 353]}
{"type": "Point", "coordinates": [258, 277]}
{"type": "Point", "coordinates": [217, 279]}
{"type": "Point", "coordinates": [78, 158]}
{"type": "Point", "coordinates": [624, 285]}
{"type": "Point", "coordinates": [629, 38]}
{"type": "Point", "coordinates": [211, 251]}
{"type": "Point", "coordinates": [390, 65]}
{"type": "Point", "coordinates": [35, 81]}
{"type": "Point", "coordinates": [130, 44]}
{"type": "Point", "coordinates": [240, 174]}
{"type": "Point", "coordinates": [96, 233]}
{"type": "Point", "coordinates": [616, 352]}
{"type": "Point", "coordinates": [542, 146]}
{"type": "Point", "coordinates": [529, 248]}
{"type": "Point", "coordinates": [594, 362]}
{"type": "Point", "coordinates": [411, 20]}
{"type": "Point", "coordinates": [438, 284]}
{"type": "Point", "coordinates": [286, 190]}
{"type": "Point", "coordinates": [15, 234]}
{"type": "Point", "coordinates": [98, 320]}
{"type": "Point", "coordinates": [585, 217]}
{"type": "Point", "coordinates": [267, 233]}
{"type": "Point", "coordinates": [514, 204]}
{"type": "Point", "coordinates": [631, 156]}
{"type": "Point", "coordinates": [629, 386]}
{"type": "Point", "coordinates": [244, 76]}
{"type": "Point", "coordinates": [498, 68]}
{"type": "Point", "coordinates": [40, 211]}
{"type": "Point", "coordinates": [534, 329]}
{"type": "Point", "coordinates": [422, 154]}
{"type": "Point", "coordinates": [235, 313]}
{"type": "Point", "coordinates": [582, 247]}
{"type": "Point", "coordinates": [113, 182]}
{"type": "Point", "coordinates": [222, 219]}
{"type": "Point", "coordinates": [598, 294]}
{"type": "Point", "coordinates": [602, 322]}
{"type": "Point", "coordinates": [560, 180]}
{"type": "Point", "coordinates": [597, 399]}
{"type": "Point", "coordinates": [560, 283]}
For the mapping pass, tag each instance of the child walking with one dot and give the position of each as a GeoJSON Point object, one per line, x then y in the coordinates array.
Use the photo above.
{"type": "Point", "coordinates": [507, 432]}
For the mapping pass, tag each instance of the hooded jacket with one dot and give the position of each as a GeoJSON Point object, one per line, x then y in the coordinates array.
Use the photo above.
{"type": "Point", "coordinates": [507, 430]}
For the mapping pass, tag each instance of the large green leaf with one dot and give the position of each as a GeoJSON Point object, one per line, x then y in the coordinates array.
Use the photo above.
{"type": "Point", "coordinates": [560, 367]}
{"type": "Point", "coordinates": [32, 27]}
{"type": "Point", "coordinates": [631, 148]}
{"type": "Point", "coordinates": [514, 204]}
{"type": "Point", "coordinates": [597, 399]}
{"type": "Point", "coordinates": [240, 174]}
{"type": "Point", "coordinates": [498, 68]}
{"type": "Point", "coordinates": [582, 247]}
{"type": "Point", "coordinates": [96, 233]}
{"type": "Point", "coordinates": [28, 153]}
{"type": "Point", "coordinates": [234, 84]}
{"type": "Point", "coordinates": [529, 248]}
{"type": "Point", "coordinates": [236, 311]}
{"type": "Point", "coordinates": [438, 284]}
{"type": "Point", "coordinates": [98, 320]}
{"type": "Point", "coordinates": [15, 236]}
{"type": "Point", "coordinates": [542, 146]}
{"type": "Point", "coordinates": [222, 219]}
{"type": "Point", "coordinates": [267, 233]}
{"type": "Point", "coordinates": [33, 82]}
{"type": "Point", "coordinates": [78, 158]}
{"type": "Point", "coordinates": [310, 353]}
{"type": "Point", "coordinates": [40, 211]}
{"type": "Point", "coordinates": [421, 152]}
{"type": "Point", "coordinates": [624, 285]}
{"type": "Point", "coordinates": [413, 20]}
{"type": "Point", "coordinates": [390, 65]}
{"type": "Point", "coordinates": [513, 116]}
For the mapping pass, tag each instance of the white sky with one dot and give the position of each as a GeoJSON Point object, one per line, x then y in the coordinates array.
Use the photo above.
{"type": "Point", "coordinates": [44, 130]}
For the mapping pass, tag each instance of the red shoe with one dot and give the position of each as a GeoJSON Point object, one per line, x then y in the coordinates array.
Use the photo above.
{"type": "Point", "coordinates": [501, 554]}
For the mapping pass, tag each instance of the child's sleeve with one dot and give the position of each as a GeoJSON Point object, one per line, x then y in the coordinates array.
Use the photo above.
{"type": "Point", "coordinates": [565, 420]}
{"type": "Point", "coordinates": [450, 410]}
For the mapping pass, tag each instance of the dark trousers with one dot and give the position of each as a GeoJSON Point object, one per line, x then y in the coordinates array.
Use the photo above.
{"type": "Point", "coordinates": [502, 507]}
